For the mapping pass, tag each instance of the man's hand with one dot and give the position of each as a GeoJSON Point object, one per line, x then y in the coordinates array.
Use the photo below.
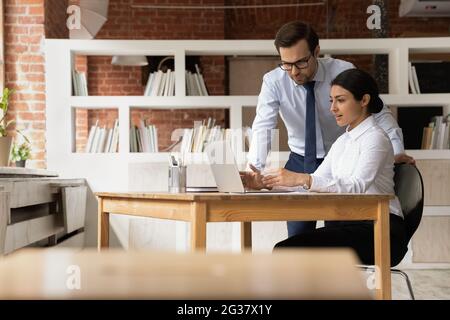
{"type": "Point", "coordinates": [283, 177]}
{"type": "Point", "coordinates": [252, 179]}
{"type": "Point", "coordinates": [404, 158]}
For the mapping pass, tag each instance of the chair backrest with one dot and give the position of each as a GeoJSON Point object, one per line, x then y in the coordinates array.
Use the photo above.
{"type": "Point", "coordinates": [409, 190]}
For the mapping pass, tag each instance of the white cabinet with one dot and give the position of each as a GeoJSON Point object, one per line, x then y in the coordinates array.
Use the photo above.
{"type": "Point", "coordinates": [111, 171]}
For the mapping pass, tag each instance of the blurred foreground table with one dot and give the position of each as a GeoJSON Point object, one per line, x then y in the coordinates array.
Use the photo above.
{"type": "Point", "coordinates": [289, 274]}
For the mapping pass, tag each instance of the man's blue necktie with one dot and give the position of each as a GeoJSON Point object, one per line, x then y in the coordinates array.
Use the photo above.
{"type": "Point", "coordinates": [310, 129]}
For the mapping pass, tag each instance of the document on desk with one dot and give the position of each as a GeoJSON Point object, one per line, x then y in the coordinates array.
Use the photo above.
{"type": "Point", "coordinates": [277, 190]}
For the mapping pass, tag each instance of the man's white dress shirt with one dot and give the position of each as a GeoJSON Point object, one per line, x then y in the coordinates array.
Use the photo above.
{"type": "Point", "coordinates": [280, 94]}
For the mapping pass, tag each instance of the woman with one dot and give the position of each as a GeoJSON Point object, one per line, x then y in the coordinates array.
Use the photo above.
{"type": "Point", "coordinates": [360, 161]}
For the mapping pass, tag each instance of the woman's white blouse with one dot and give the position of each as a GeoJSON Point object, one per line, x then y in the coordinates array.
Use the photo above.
{"type": "Point", "coordinates": [360, 161]}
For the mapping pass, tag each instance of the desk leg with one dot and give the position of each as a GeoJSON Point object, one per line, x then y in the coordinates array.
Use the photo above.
{"type": "Point", "coordinates": [103, 226]}
{"type": "Point", "coordinates": [198, 226]}
{"type": "Point", "coordinates": [382, 252]}
{"type": "Point", "coordinates": [246, 236]}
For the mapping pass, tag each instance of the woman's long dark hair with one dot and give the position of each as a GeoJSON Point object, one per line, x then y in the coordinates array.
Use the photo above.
{"type": "Point", "coordinates": [359, 83]}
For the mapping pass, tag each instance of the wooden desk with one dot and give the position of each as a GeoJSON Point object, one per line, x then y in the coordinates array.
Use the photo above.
{"type": "Point", "coordinates": [200, 208]}
{"type": "Point", "coordinates": [294, 274]}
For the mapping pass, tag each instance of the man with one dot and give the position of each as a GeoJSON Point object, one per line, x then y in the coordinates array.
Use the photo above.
{"type": "Point", "coordinates": [300, 91]}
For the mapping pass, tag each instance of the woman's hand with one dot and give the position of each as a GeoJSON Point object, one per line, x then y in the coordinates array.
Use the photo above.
{"type": "Point", "coordinates": [252, 179]}
{"type": "Point", "coordinates": [283, 177]}
{"type": "Point", "coordinates": [404, 158]}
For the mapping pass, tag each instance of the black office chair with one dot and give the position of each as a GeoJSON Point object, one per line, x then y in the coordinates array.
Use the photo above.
{"type": "Point", "coordinates": [408, 186]}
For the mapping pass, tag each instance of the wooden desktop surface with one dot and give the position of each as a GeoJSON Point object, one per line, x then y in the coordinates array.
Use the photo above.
{"type": "Point", "coordinates": [217, 196]}
{"type": "Point", "coordinates": [202, 208]}
{"type": "Point", "coordinates": [289, 274]}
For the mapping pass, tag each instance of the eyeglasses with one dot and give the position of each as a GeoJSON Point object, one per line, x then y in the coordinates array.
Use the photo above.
{"type": "Point", "coordinates": [300, 64]}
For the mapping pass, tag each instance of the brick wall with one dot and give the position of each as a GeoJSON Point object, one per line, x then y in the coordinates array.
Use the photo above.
{"type": "Point", "coordinates": [27, 21]}
{"type": "Point", "coordinates": [126, 23]}
{"type": "Point", "coordinates": [105, 79]}
{"type": "Point", "coordinates": [166, 121]}
{"type": "Point", "coordinates": [24, 71]}
{"type": "Point", "coordinates": [55, 19]}
{"type": "Point", "coordinates": [263, 23]}
{"type": "Point", "coordinates": [168, 24]}
{"type": "Point", "coordinates": [82, 129]}
{"type": "Point", "coordinates": [346, 19]}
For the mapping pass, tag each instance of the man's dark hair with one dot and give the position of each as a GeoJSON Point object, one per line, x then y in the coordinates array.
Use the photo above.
{"type": "Point", "coordinates": [292, 32]}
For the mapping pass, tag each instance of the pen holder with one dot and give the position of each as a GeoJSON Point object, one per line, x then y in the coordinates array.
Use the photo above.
{"type": "Point", "coordinates": [177, 179]}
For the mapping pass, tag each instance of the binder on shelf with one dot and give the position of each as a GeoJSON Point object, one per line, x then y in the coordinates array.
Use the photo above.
{"type": "Point", "coordinates": [426, 137]}
{"type": "Point", "coordinates": [79, 83]}
{"type": "Point", "coordinates": [412, 120]}
{"type": "Point", "coordinates": [195, 140]}
{"type": "Point", "coordinates": [160, 84]}
{"type": "Point", "coordinates": [150, 82]}
{"type": "Point", "coordinates": [91, 137]}
{"type": "Point", "coordinates": [108, 140]}
{"type": "Point", "coordinates": [166, 83]}
{"type": "Point", "coordinates": [115, 141]}
{"type": "Point", "coordinates": [143, 138]}
{"type": "Point", "coordinates": [436, 135]}
{"type": "Point", "coordinates": [415, 80]}
{"type": "Point", "coordinates": [103, 140]}
{"type": "Point", "coordinates": [412, 86]}
{"type": "Point", "coordinates": [195, 83]}
{"type": "Point", "coordinates": [202, 81]}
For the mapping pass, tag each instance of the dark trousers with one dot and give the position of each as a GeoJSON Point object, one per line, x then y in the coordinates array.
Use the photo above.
{"type": "Point", "coordinates": [296, 164]}
{"type": "Point", "coordinates": [357, 235]}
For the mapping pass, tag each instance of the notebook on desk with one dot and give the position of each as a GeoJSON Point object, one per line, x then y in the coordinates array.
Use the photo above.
{"type": "Point", "coordinates": [225, 171]}
{"type": "Point", "coordinates": [202, 189]}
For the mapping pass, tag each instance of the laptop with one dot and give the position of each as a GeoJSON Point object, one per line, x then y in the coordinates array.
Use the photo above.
{"type": "Point", "coordinates": [226, 172]}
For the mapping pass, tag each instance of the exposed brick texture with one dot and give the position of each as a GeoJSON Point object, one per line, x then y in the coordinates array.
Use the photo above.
{"type": "Point", "coordinates": [127, 23]}
{"type": "Point", "coordinates": [168, 120]}
{"type": "Point", "coordinates": [24, 72]}
{"type": "Point", "coordinates": [28, 21]}
{"type": "Point", "coordinates": [82, 131]}
{"type": "Point", "coordinates": [106, 79]}
{"type": "Point", "coordinates": [55, 19]}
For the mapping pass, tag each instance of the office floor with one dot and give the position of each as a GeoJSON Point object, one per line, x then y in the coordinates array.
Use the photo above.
{"type": "Point", "coordinates": [427, 285]}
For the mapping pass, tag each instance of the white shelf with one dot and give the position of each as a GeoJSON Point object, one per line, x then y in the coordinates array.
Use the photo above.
{"type": "Point", "coordinates": [59, 112]}
{"type": "Point", "coordinates": [426, 99]}
{"type": "Point", "coordinates": [249, 47]}
{"type": "Point", "coordinates": [209, 102]}
{"type": "Point", "coordinates": [429, 154]}
{"type": "Point", "coordinates": [161, 156]}
{"type": "Point", "coordinates": [429, 99]}
{"type": "Point", "coordinates": [283, 155]}
{"type": "Point", "coordinates": [436, 211]}
{"type": "Point", "coordinates": [111, 171]}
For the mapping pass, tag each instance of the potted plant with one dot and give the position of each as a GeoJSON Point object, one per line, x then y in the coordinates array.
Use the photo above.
{"type": "Point", "coordinates": [5, 140]}
{"type": "Point", "coordinates": [20, 153]}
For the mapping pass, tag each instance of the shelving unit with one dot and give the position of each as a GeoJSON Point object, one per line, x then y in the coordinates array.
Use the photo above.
{"type": "Point", "coordinates": [112, 170]}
